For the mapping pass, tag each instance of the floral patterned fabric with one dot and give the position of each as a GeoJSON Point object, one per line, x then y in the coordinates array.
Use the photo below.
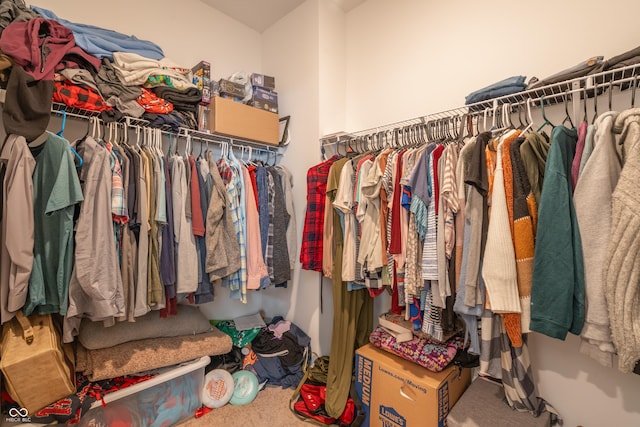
{"type": "Point", "coordinates": [426, 353]}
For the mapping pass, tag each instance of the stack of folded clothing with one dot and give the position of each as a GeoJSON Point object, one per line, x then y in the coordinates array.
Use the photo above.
{"type": "Point", "coordinates": [504, 87]}
{"type": "Point", "coordinates": [97, 69]}
{"type": "Point", "coordinates": [626, 59]}
{"type": "Point", "coordinates": [579, 70]}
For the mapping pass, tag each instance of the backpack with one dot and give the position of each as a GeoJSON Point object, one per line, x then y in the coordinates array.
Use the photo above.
{"type": "Point", "coordinates": [307, 401]}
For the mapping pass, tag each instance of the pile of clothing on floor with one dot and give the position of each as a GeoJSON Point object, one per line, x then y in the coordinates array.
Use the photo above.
{"type": "Point", "coordinates": [276, 354]}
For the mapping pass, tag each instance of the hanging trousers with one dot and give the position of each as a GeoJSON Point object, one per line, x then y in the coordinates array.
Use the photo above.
{"type": "Point", "coordinates": [352, 325]}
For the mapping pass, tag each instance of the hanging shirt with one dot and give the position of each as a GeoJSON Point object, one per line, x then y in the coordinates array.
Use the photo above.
{"type": "Point", "coordinates": [205, 292]}
{"type": "Point", "coordinates": [262, 185]}
{"type": "Point", "coordinates": [223, 251]}
{"type": "Point", "coordinates": [17, 232]}
{"type": "Point", "coordinates": [231, 176]}
{"type": "Point", "coordinates": [557, 291]}
{"type": "Point", "coordinates": [344, 203]}
{"type": "Point", "coordinates": [256, 268]}
{"type": "Point", "coordinates": [95, 289]}
{"type": "Point", "coordinates": [281, 270]}
{"type": "Point", "coordinates": [56, 191]}
{"type": "Point", "coordinates": [197, 221]}
{"type": "Point", "coordinates": [601, 172]}
{"type": "Point", "coordinates": [371, 185]}
{"type": "Point", "coordinates": [268, 255]}
{"type": "Point", "coordinates": [128, 245]}
{"type": "Point", "coordinates": [155, 292]}
{"type": "Point", "coordinates": [186, 256]}
{"type": "Point", "coordinates": [141, 306]}
{"type": "Point", "coordinates": [311, 248]}
{"type": "Point", "coordinates": [449, 194]}
{"type": "Point", "coordinates": [292, 228]}
{"type": "Point", "coordinates": [167, 253]}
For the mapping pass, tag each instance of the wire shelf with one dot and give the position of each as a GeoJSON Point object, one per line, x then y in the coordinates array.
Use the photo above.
{"type": "Point", "coordinates": [586, 87]}
{"type": "Point", "coordinates": [202, 136]}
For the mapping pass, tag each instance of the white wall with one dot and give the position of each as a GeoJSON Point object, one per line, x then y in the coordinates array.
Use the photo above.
{"type": "Point", "coordinates": [188, 32]}
{"type": "Point", "coordinates": [413, 57]}
{"type": "Point", "coordinates": [291, 52]}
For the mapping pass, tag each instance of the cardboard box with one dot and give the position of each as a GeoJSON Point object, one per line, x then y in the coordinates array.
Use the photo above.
{"type": "Point", "coordinates": [243, 121]}
{"type": "Point", "coordinates": [231, 88]}
{"type": "Point", "coordinates": [202, 80]}
{"type": "Point", "coordinates": [398, 393]}
{"type": "Point", "coordinates": [263, 81]}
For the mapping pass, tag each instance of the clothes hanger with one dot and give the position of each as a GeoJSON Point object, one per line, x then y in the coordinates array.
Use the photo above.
{"type": "Point", "coordinates": [249, 157]}
{"type": "Point", "coordinates": [521, 125]}
{"type": "Point", "coordinates": [610, 95]}
{"type": "Point", "coordinates": [595, 104]}
{"type": "Point", "coordinates": [566, 110]}
{"type": "Point", "coordinates": [137, 144]}
{"type": "Point", "coordinates": [585, 118]}
{"type": "Point", "coordinates": [484, 120]}
{"type": "Point", "coordinates": [60, 133]}
{"type": "Point", "coordinates": [633, 92]}
{"type": "Point", "coordinates": [528, 117]}
{"type": "Point", "coordinates": [63, 113]}
{"type": "Point", "coordinates": [114, 137]}
{"type": "Point", "coordinates": [544, 116]}
{"type": "Point", "coordinates": [187, 147]}
{"type": "Point", "coordinates": [170, 144]}
{"type": "Point", "coordinates": [506, 112]}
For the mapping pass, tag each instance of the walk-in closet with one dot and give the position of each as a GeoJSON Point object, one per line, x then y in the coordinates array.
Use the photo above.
{"type": "Point", "coordinates": [337, 212]}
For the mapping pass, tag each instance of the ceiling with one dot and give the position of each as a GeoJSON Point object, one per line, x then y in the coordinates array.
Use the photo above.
{"type": "Point", "coordinates": [261, 14]}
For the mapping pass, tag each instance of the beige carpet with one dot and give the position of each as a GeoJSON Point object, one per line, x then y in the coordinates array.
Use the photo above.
{"type": "Point", "coordinates": [269, 409]}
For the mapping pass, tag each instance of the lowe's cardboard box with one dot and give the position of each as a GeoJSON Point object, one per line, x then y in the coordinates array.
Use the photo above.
{"type": "Point", "coordinates": [398, 393]}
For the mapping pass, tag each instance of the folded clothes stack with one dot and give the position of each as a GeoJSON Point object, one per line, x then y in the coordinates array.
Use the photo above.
{"type": "Point", "coordinates": [97, 69]}
{"type": "Point", "coordinates": [101, 42]}
{"type": "Point", "coordinates": [579, 70]}
{"type": "Point", "coordinates": [504, 87]}
{"type": "Point", "coordinates": [628, 58]}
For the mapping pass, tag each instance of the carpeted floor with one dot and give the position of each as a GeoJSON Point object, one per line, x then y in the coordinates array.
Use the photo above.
{"type": "Point", "coordinates": [269, 409]}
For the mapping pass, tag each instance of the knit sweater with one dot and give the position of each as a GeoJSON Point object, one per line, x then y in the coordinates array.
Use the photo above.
{"type": "Point", "coordinates": [557, 291]}
{"type": "Point", "coordinates": [622, 266]}
{"type": "Point", "coordinates": [499, 264]}
{"type": "Point", "coordinates": [524, 221]}
{"type": "Point", "coordinates": [601, 172]}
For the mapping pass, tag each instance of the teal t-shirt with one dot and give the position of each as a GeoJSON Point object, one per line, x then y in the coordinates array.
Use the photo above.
{"type": "Point", "coordinates": [56, 189]}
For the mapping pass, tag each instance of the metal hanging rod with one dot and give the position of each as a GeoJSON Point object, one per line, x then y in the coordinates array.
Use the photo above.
{"type": "Point", "coordinates": [589, 86]}
{"type": "Point", "coordinates": [232, 141]}
{"type": "Point", "coordinates": [133, 123]}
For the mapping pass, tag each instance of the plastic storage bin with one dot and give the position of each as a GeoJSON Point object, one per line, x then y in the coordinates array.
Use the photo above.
{"type": "Point", "coordinates": [168, 398]}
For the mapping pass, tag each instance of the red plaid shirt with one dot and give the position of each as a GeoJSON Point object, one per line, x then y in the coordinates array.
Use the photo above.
{"type": "Point", "coordinates": [78, 96]}
{"type": "Point", "coordinates": [311, 249]}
